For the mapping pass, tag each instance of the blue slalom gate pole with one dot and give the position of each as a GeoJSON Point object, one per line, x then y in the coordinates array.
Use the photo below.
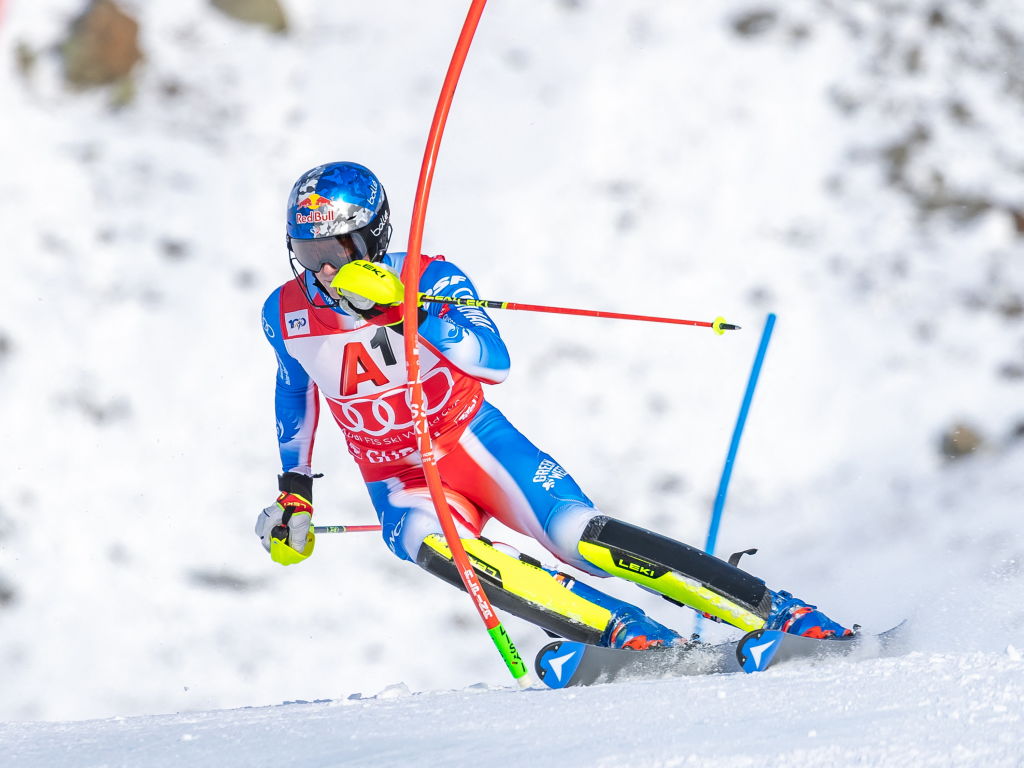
{"type": "Point", "coordinates": [734, 445]}
{"type": "Point", "coordinates": [737, 433]}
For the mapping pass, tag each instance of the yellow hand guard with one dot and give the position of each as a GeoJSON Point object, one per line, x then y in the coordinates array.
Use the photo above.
{"type": "Point", "coordinates": [281, 553]}
{"type": "Point", "coordinates": [296, 524]}
{"type": "Point", "coordinates": [371, 281]}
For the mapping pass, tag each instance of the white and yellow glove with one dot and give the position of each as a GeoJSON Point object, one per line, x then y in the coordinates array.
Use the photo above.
{"type": "Point", "coordinates": [285, 527]}
{"type": "Point", "coordinates": [371, 291]}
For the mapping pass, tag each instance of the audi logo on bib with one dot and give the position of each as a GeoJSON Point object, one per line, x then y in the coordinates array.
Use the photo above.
{"type": "Point", "coordinates": [390, 412]}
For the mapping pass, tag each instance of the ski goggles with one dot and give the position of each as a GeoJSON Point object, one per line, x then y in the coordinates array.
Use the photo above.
{"type": "Point", "coordinates": [335, 251]}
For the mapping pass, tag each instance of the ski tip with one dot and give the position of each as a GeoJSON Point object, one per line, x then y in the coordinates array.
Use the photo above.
{"type": "Point", "coordinates": [557, 662]}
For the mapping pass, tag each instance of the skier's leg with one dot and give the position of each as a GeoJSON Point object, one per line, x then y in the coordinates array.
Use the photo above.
{"type": "Point", "coordinates": [513, 582]}
{"type": "Point", "coordinates": [527, 490]}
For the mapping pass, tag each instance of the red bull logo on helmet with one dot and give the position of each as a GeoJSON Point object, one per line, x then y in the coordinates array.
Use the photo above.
{"type": "Point", "coordinates": [320, 209]}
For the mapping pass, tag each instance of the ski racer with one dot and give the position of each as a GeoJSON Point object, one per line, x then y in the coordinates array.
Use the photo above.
{"type": "Point", "coordinates": [337, 331]}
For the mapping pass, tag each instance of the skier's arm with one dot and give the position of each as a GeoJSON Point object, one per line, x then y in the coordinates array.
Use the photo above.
{"type": "Point", "coordinates": [296, 401]}
{"type": "Point", "coordinates": [466, 336]}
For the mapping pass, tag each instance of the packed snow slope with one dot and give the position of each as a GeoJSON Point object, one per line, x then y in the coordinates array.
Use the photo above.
{"type": "Point", "coordinates": [853, 167]}
{"type": "Point", "coordinates": [923, 710]}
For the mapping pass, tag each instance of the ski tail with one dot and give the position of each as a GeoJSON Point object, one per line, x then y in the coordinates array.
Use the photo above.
{"type": "Point", "coordinates": [557, 663]}
{"type": "Point", "coordinates": [759, 649]}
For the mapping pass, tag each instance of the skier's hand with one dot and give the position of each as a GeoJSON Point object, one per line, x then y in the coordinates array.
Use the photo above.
{"type": "Point", "coordinates": [370, 291]}
{"type": "Point", "coordinates": [284, 526]}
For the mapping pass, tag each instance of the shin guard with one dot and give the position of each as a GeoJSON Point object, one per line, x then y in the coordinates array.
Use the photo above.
{"type": "Point", "coordinates": [677, 571]}
{"type": "Point", "coordinates": [521, 587]}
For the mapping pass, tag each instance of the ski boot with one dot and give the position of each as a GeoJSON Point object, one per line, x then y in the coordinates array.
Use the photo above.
{"type": "Point", "coordinates": [791, 614]}
{"type": "Point", "coordinates": [629, 627]}
{"type": "Point", "coordinates": [634, 629]}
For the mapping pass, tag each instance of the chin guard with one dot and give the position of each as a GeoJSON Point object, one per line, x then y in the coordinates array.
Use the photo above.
{"type": "Point", "coordinates": [373, 282]}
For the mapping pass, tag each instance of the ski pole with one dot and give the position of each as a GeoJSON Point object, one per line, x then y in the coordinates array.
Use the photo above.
{"type": "Point", "coordinates": [718, 324]}
{"type": "Point", "coordinates": [345, 528]}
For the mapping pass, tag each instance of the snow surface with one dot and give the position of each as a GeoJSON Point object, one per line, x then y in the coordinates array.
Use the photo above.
{"type": "Point", "coordinates": [922, 710]}
{"type": "Point", "coordinates": [853, 167]}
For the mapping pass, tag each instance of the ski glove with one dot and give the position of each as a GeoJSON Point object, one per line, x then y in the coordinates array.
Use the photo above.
{"type": "Point", "coordinates": [284, 526]}
{"type": "Point", "coordinates": [370, 291]}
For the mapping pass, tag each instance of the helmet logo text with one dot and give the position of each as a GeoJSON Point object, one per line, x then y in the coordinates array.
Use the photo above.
{"type": "Point", "coordinates": [320, 209]}
{"type": "Point", "coordinates": [381, 224]}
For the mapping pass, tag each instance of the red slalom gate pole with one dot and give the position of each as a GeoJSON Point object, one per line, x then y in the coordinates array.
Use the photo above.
{"type": "Point", "coordinates": [410, 308]}
{"type": "Point", "coordinates": [718, 324]}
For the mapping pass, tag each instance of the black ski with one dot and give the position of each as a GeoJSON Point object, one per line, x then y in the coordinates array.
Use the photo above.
{"type": "Point", "coordinates": [563, 663]}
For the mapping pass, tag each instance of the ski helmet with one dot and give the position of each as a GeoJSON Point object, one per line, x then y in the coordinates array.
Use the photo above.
{"type": "Point", "coordinates": [336, 213]}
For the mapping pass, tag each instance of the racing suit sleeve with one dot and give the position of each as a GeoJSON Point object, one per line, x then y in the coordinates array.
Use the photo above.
{"type": "Point", "coordinates": [296, 400]}
{"type": "Point", "coordinates": [465, 336]}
